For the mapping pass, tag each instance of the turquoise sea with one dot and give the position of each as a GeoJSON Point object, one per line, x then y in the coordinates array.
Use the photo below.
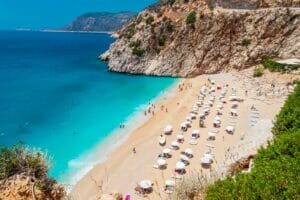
{"type": "Point", "coordinates": [55, 95]}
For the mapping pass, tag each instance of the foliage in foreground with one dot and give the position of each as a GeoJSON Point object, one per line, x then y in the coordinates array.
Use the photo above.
{"type": "Point", "coordinates": [258, 71]}
{"type": "Point", "coordinates": [20, 160]}
{"type": "Point", "coordinates": [276, 173]}
{"type": "Point", "coordinates": [274, 66]}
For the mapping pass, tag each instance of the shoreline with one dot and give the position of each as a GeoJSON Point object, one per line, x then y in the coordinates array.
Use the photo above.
{"type": "Point", "coordinates": [95, 156]}
{"type": "Point", "coordinates": [66, 31]}
{"type": "Point", "coordinates": [124, 169]}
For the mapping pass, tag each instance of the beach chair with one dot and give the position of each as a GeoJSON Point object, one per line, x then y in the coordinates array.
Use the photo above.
{"type": "Point", "coordinates": [193, 142]}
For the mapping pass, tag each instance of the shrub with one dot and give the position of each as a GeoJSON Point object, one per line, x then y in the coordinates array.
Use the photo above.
{"type": "Point", "coordinates": [278, 67]}
{"type": "Point", "coordinates": [135, 44]}
{"type": "Point", "coordinates": [258, 71]}
{"type": "Point", "coordinates": [139, 19]}
{"type": "Point", "coordinates": [149, 20]}
{"type": "Point", "coordinates": [276, 168]}
{"type": "Point", "coordinates": [191, 18]}
{"type": "Point", "coordinates": [161, 42]}
{"type": "Point", "coordinates": [138, 51]}
{"type": "Point", "coordinates": [18, 159]}
{"type": "Point", "coordinates": [129, 32]}
{"type": "Point", "coordinates": [169, 27]}
{"type": "Point", "coordinates": [171, 2]}
{"type": "Point", "coordinates": [245, 42]}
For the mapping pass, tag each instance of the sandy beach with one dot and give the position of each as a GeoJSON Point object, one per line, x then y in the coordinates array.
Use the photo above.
{"type": "Point", "coordinates": [124, 169]}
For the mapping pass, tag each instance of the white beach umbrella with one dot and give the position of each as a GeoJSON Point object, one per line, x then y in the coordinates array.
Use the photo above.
{"type": "Point", "coordinates": [193, 116]}
{"type": "Point", "coordinates": [184, 158]}
{"type": "Point", "coordinates": [180, 165]}
{"type": "Point", "coordinates": [180, 137]}
{"type": "Point", "coordinates": [161, 162]}
{"type": "Point", "coordinates": [217, 122]}
{"type": "Point", "coordinates": [170, 183]}
{"type": "Point", "coordinates": [174, 144]}
{"type": "Point", "coordinates": [230, 128]}
{"type": "Point", "coordinates": [211, 134]}
{"type": "Point", "coordinates": [168, 129]}
{"type": "Point", "coordinates": [196, 131]}
{"type": "Point", "coordinates": [205, 160]}
{"type": "Point", "coordinates": [145, 184]}
{"type": "Point", "coordinates": [188, 123]}
{"type": "Point", "coordinates": [232, 98]}
{"type": "Point", "coordinates": [167, 151]}
{"type": "Point", "coordinates": [209, 155]}
{"type": "Point", "coordinates": [233, 111]}
{"type": "Point", "coordinates": [188, 151]}
{"type": "Point", "coordinates": [206, 110]}
{"type": "Point", "coordinates": [183, 125]}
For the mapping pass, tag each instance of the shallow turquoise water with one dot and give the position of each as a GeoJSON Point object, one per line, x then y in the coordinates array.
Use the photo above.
{"type": "Point", "coordinates": [56, 95]}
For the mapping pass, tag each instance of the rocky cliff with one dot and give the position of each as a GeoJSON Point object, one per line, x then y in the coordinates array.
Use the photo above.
{"type": "Point", "coordinates": [100, 21]}
{"type": "Point", "coordinates": [189, 37]}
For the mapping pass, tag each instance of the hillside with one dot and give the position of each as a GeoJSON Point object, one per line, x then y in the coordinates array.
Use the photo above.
{"type": "Point", "coordinates": [188, 38]}
{"type": "Point", "coordinates": [100, 21]}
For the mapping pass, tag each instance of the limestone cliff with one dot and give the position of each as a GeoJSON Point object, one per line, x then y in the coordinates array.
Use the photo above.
{"type": "Point", "coordinates": [190, 37]}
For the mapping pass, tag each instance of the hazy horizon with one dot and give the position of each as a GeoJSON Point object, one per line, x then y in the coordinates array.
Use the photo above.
{"type": "Point", "coordinates": [34, 14]}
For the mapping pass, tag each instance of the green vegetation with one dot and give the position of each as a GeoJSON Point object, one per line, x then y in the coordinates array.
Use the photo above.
{"type": "Point", "coordinates": [245, 42]}
{"type": "Point", "coordinates": [161, 42]}
{"type": "Point", "coordinates": [171, 2]}
{"type": "Point", "coordinates": [169, 27]}
{"type": "Point", "coordinates": [276, 173]}
{"type": "Point", "coordinates": [129, 32]}
{"type": "Point", "coordinates": [138, 51]}
{"type": "Point", "coordinates": [191, 18]}
{"type": "Point", "coordinates": [278, 67]}
{"type": "Point", "coordinates": [149, 20]}
{"type": "Point", "coordinates": [18, 159]}
{"type": "Point", "coordinates": [139, 19]}
{"type": "Point", "coordinates": [258, 71]}
{"type": "Point", "coordinates": [33, 164]}
{"type": "Point", "coordinates": [135, 44]}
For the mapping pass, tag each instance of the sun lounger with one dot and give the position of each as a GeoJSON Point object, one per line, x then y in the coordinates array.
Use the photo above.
{"type": "Point", "coordinates": [177, 176]}
{"type": "Point", "coordinates": [193, 142]}
{"type": "Point", "coordinates": [210, 145]}
{"type": "Point", "coordinates": [155, 166]}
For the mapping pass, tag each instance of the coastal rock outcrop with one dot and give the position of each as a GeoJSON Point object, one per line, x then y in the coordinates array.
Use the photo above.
{"type": "Point", "coordinates": [188, 38]}
{"type": "Point", "coordinates": [23, 187]}
{"type": "Point", "coordinates": [100, 21]}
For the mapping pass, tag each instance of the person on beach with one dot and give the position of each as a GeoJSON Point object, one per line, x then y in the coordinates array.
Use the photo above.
{"type": "Point", "coordinates": [134, 151]}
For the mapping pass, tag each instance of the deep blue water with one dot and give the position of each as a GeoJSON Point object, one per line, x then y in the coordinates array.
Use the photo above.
{"type": "Point", "coordinates": [55, 95]}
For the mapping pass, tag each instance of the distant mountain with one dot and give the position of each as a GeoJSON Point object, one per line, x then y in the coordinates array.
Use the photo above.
{"type": "Point", "coordinates": [100, 21]}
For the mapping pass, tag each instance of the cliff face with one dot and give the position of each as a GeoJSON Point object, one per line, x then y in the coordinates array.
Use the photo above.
{"type": "Point", "coordinates": [187, 38]}
{"type": "Point", "coordinates": [100, 21]}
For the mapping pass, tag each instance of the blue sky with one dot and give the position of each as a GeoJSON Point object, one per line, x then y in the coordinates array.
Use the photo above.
{"type": "Point", "coordinates": [39, 14]}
